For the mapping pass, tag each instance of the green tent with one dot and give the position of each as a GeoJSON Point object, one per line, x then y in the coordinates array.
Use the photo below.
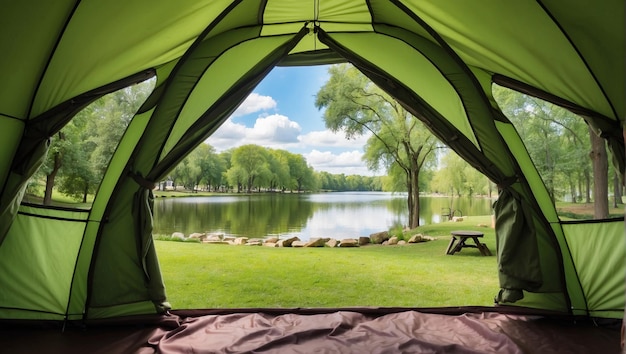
{"type": "Point", "coordinates": [439, 59]}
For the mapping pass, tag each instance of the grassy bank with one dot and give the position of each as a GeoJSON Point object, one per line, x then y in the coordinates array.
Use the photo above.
{"type": "Point", "coordinates": [417, 275]}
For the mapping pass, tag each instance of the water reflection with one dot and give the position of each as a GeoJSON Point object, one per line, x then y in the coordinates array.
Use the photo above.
{"type": "Point", "coordinates": [338, 215]}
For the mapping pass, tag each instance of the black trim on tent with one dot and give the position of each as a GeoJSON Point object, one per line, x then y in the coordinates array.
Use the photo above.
{"type": "Point", "coordinates": [30, 310]}
{"type": "Point", "coordinates": [12, 117]}
{"type": "Point", "coordinates": [262, 7]}
{"type": "Point", "coordinates": [315, 57]}
{"type": "Point", "coordinates": [52, 217]}
{"type": "Point", "coordinates": [594, 221]}
{"type": "Point", "coordinates": [55, 207]}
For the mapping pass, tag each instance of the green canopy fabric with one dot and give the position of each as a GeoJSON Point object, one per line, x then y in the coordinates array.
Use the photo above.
{"type": "Point", "coordinates": [438, 59]}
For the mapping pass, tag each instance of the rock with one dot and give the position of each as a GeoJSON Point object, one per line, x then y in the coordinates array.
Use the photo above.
{"type": "Point", "coordinates": [270, 244]}
{"type": "Point", "coordinates": [178, 235]}
{"type": "Point", "coordinates": [364, 240]}
{"type": "Point", "coordinates": [428, 238]}
{"type": "Point", "coordinates": [379, 237]}
{"type": "Point", "coordinates": [217, 242]}
{"type": "Point", "coordinates": [401, 243]}
{"type": "Point", "coordinates": [197, 235]}
{"type": "Point", "coordinates": [254, 242]}
{"type": "Point", "coordinates": [415, 238]}
{"type": "Point", "coordinates": [392, 241]}
{"type": "Point", "coordinates": [457, 218]}
{"type": "Point", "coordinates": [349, 242]}
{"type": "Point", "coordinates": [298, 243]}
{"type": "Point", "coordinates": [316, 242]}
{"type": "Point", "coordinates": [287, 242]}
{"type": "Point", "coordinates": [228, 238]}
{"type": "Point", "coordinates": [385, 243]}
{"type": "Point", "coordinates": [272, 239]}
{"type": "Point", "coordinates": [331, 243]}
{"type": "Point", "coordinates": [215, 237]}
{"type": "Point", "coordinates": [240, 241]}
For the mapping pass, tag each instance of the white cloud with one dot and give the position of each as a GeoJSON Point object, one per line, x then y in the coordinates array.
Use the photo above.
{"type": "Point", "coordinates": [254, 103]}
{"type": "Point", "coordinates": [327, 138]}
{"type": "Point", "coordinates": [272, 131]}
{"type": "Point", "coordinates": [348, 162]}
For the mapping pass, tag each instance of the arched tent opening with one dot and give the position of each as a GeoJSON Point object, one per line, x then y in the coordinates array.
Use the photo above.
{"type": "Point", "coordinates": [437, 60]}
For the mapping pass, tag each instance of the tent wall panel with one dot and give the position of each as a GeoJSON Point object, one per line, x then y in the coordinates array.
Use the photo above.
{"type": "Point", "coordinates": [37, 259]}
{"type": "Point", "coordinates": [88, 56]}
{"type": "Point", "coordinates": [445, 99]}
{"type": "Point", "coordinates": [23, 47]}
{"type": "Point", "coordinates": [556, 66]}
{"type": "Point", "coordinates": [599, 254]}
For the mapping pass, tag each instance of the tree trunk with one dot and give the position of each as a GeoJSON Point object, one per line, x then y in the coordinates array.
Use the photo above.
{"type": "Point", "coordinates": [409, 198]}
{"type": "Point", "coordinates": [85, 192]}
{"type": "Point", "coordinates": [415, 196]}
{"type": "Point", "coordinates": [587, 187]}
{"type": "Point", "coordinates": [617, 190]}
{"type": "Point", "coordinates": [600, 176]}
{"type": "Point", "coordinates": [47, 198]}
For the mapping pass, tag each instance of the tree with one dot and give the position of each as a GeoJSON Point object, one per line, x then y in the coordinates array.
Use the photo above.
{"type": "Point", "coordinates": [251, 160]}
{"type": "Point", "coordinates": [300, 172]}
{"type": "Point", "coordinates": [451, 176]}
{"type": "Point", "coordinates": [356, 106]}
{"type": "Point", "coordinates": [204, 165]}
{"type": "Point", "coordinates": [279, 165]}
{"type": "Point", "coordinates": [78, 179]}
{"type": "Point", "coordinates": [81, 151]}
{"type": "Point", "coordinates": [600, 176]}
{"type": "Point", "coordinates": [558, 143]}
{"type": "Point", "coordinates": [53, 164]}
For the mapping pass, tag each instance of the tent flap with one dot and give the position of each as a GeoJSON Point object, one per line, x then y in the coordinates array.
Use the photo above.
{"type": "Point", "coordinates": [518, 256]}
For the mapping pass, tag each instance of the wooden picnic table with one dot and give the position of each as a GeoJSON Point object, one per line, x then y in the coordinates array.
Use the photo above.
{"type": "Point", "coordinates": [457, 242]}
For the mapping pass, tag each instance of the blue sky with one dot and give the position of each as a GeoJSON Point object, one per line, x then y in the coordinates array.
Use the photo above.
{"type": "Point", "coordinates": [281, 114]}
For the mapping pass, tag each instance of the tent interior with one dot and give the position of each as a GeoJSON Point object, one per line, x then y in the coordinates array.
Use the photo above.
{"type": "Point", "coordinates": [77, 280]}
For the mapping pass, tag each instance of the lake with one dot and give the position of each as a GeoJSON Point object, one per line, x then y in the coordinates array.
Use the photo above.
{"type": "Point", "coordinates": [337, 215]}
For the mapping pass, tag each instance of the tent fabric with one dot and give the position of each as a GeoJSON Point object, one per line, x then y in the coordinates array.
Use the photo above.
{"type": "Point", "coordinates": [341, 331]}
{"type": "Point", "coordinates": [518, 255]}
{"type": "Point", "coordinates": [438, 59]}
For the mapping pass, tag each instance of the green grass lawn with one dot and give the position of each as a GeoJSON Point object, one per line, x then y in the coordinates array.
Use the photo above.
{"type": "Point", "coordinates": [418, 275]}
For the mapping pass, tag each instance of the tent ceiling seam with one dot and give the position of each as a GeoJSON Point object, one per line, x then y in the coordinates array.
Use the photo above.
{"type": "Point", "coordinates": [9, 116]}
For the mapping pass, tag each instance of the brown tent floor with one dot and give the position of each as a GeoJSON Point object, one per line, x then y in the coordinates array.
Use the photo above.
{"type": "Point", "coordinates": [344, 331]}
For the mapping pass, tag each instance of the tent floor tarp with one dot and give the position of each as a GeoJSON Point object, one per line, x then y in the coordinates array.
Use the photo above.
{"type": "Point", "coordinates": [330, 332]}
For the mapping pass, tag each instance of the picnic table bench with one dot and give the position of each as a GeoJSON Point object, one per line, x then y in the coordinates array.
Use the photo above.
{"type": "Point", "coordinates": [457, 242]}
